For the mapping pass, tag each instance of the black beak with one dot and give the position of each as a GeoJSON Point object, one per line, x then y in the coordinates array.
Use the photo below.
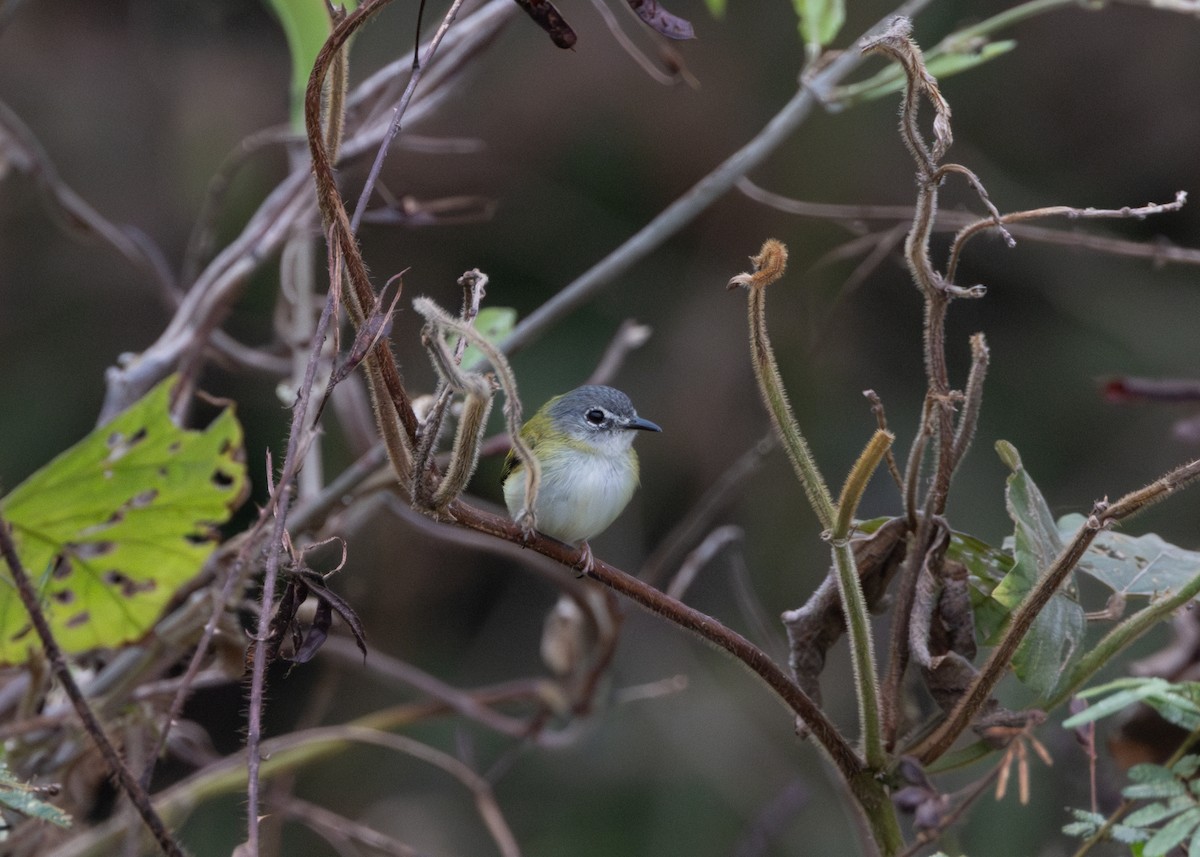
{"type": "Point", "coordinates": [644, 425]}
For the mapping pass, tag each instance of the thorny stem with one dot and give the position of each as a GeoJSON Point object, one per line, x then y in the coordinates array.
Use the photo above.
{"type": "Point", "coordinates": [281, 500]}
{"type": "Point", "coordinates": [769, 266]}
{"type": "Point", "coordinates": [1104, 515]}
{"type": "Point", "coordinates": [116, 767]}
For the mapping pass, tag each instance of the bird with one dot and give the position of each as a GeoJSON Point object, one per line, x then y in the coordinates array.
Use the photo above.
{"type": "Point", "coordinates": [583, 441]}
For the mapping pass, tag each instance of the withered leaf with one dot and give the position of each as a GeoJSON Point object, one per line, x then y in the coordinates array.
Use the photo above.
{"type": "Point", "coordinates": [307, 641]}
{"type": "Point", "coordinates": [546, 16]}
{"type": "Point", "coordinates": [814, 628]}
{"type": "Point", "coordinates": [662, 21]}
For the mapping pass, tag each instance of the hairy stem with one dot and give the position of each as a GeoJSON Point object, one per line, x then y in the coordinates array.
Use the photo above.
{"type": "Point", "coordinates": [769, 266]}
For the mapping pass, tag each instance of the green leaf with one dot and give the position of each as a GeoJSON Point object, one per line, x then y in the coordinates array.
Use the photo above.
{"type": "Point", "coordinates": [1134, 565]}
{"type": "Point", "coordinates": [24, 799]}
{"type": "Point", "coordinates": [1177, 703]}
{"type": "Point", "coordinates": [1173, 833]}
{"type": "Point", "coordinates": [1053, 641]}
{"type": "Point", "coordinates": [495, 324]}
{"type": "Point", "coordinates": [820, 21]}
{"type": "Point", "coordinates": [716, 8]}
{"type": "Point", "coordinates": [306, 26]}
{"type": "Point", "coordinates": [1148, 791]}
{"type": "Point", "coordinates": [1148, 772]}
{"type": "Point", "coordinates": [1128, 692]}
{"type": "Point", "coordinates": [941, 62]}
{"type": "Point", "coordinates": [1186, 767]}
{"type": "Point", "coordinates": [1155, 812]}
{"type": "Point", "coordinates": [113, 527]}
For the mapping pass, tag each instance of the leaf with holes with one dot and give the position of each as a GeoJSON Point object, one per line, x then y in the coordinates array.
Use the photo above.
{"type": "Point", "coordinates": [1143, 566]}
{"type": "Point", "coordinates": [110, 529]}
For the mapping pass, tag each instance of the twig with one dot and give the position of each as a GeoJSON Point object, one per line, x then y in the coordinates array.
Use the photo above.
{"type": "Point", "coordinates": [401, 107]}
{"type": "Point", "coordinates": [972, 229]}
{"type": "Point", "coordinates": [949, 221]}
{"type": "Point", "coordinates": [700, 557]}
{"type": "Point", "coordinates": [699, 518]}
{"type": "Point", "coordinates": [629, 337]}
{"type": "Point", "coordinates": [647, 65]}
{"type": "Point", "coordinates": [116, 768]}
{"type": "Point", "coordinates": [696, 200]}
{"type": "Point", "coordinates": [297, 439]}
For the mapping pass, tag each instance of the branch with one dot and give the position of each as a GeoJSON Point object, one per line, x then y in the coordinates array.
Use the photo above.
{"type": "Point", "coordinates": [116, 767]}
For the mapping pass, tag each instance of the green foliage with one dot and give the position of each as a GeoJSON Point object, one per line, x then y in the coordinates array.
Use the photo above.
{"type": "Point", "coordinates": [110, 529]}
{"type": "Point", "coordinates": [494, 323]}
{"type": "Point", "coordinates": [942, 62]}
{"type": "Point", "coordinates": [1053, 642]}
{"type": "Point", "coordinates": [1088, 824]}
{"type": "Point", "coordinates": [1134, 565]}
{"type": "Point", "coordinates": [23, 798]}
{"type": "Point", "coordinates": [1171, 819]}
{"type": "Point", "coordinates": [820, 21]}
{"type": "Point", "coordinates": [306, 25]}
{"type": "Point", "coordinates": [716, 8]}
{"type": "Point", "coordinates": [1176, 702]}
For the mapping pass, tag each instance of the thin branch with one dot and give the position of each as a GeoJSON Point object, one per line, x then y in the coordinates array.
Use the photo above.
{"type": "Point", "coordinates": [629, 337]}
{"type": "Point", "coordinates": [700, 557]}
{"type": "Point", "coordinates": [1160, 253]}
{"type": "Point", "coordinates": [401, 107]}
{"type": "Point", "coordinates": [298, 438]}
{"type": "Point", "coordinates": [687, 618]}
{"type": "Point", "coordinates": [116, 768]}
{"type": "Point", "coordinates": [696, 200]}
{"type": "Point", "coordinates": [1140, 213]}
{"type": "Point", "coordinates": [691, 526]}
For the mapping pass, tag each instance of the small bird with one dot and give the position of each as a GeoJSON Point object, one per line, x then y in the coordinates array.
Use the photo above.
{"type": "Point", "coordinates": [583, 441]}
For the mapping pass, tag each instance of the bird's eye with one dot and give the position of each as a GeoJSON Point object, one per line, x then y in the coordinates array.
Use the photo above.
{"type": "Point", "coordinates": [595, 416]}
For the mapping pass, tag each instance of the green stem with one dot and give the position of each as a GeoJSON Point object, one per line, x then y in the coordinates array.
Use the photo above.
{"type": "Point", "coordinates": [771, 386]}
{"type": "Point", "coordinates": [1122, 636]}
{"type": "Point", "coordinates": [862, 653]}
{"type": "Point", "coordinates": [854, 603]}
{"type": "Point", "coordinates": [880, 814]}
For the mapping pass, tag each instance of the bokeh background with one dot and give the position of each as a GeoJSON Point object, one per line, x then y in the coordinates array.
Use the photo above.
{"type": "Point", "coordinates": [138, 102]}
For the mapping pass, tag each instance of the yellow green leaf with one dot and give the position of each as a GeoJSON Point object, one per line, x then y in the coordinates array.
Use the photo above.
{"type": "Point", "coordinates": [112, 528]}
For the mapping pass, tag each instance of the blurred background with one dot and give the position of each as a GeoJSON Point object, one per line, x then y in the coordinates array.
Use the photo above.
{"type": "Point", "coordinates": [137, 104]}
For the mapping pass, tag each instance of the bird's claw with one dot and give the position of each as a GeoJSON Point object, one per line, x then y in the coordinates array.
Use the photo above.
{"type": "Point", "coordinates": [586, 561]}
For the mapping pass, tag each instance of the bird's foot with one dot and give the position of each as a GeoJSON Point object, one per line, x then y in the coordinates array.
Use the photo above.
{"type": "Point", "coordinates": [527, 523]}
{"type": "Point", "coordinates": [586, 561]}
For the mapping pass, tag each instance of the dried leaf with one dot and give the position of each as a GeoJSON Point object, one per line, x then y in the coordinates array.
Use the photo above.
{"type": "Point", "coordinates": [814, 628]}
{"type": "Point", "coordinates": [547, 16]}
{"type": "Point", "coordinates": [662, 21]}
